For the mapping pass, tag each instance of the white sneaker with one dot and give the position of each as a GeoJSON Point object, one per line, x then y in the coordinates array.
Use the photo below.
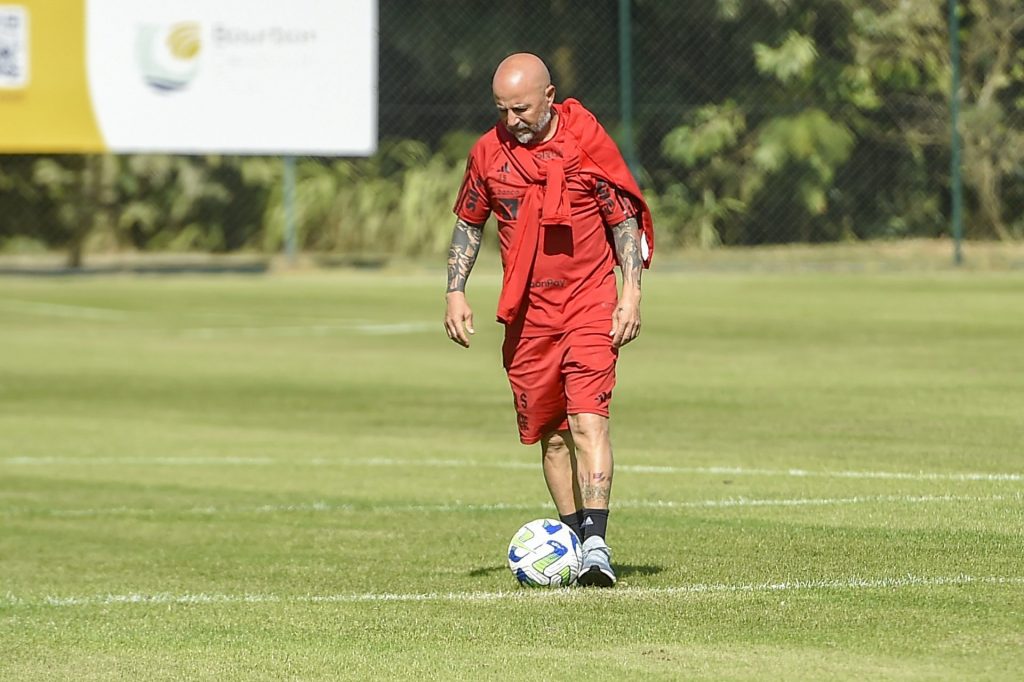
{"type": "Point", "coordinates": [597, 566]}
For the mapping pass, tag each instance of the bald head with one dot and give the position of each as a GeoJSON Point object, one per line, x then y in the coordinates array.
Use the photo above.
{"type": "Point", "coordinates": [521, 70]}
{"type": "Point", "coordinates": [523, 94]}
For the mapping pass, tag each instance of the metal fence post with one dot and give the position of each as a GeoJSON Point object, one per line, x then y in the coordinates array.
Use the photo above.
{"type": "Point", "coordinates": [290, 239]}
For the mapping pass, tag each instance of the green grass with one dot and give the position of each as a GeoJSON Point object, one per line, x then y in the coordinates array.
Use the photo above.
{"type": "Point", "coordinates": [297, 476]}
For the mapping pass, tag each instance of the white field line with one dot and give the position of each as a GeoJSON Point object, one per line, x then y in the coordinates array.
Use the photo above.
{"type": "Point", "coordinates": [82, 312]}
{"type": "Point", "coordinates": [188, 461]}
{"type": "Point", "coordinates": [360, 326]}
{"type": "Point", "coordinates": [284, 331]}
{"type": "Point", "coordinates": [457, 506]}
{"type": "Point", "coordinates": [397, 328]}
{"type": "Point", "coordinates": [627, 593]}
{"type": "Point", "coordinates": [434, 462]}
{"type": "Point", "coordinates": [79, 312]}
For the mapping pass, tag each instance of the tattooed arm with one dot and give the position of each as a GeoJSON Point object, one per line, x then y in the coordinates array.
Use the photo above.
{"type": "Point", "coordinates": [458, 318]}
{"type": "Point", "coordinates": [626, 318]}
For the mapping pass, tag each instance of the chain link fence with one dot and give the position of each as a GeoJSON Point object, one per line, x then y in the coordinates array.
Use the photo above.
{"type": "Point", "coordinates": [748, 122]}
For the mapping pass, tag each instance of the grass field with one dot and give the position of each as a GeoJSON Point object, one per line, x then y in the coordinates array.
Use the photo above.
{"type": "Point", "coordinates": [297, 476]}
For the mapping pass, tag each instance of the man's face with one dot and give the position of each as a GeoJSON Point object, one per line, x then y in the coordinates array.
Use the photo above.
{"type": "Point", "coordinates": [525, 112]}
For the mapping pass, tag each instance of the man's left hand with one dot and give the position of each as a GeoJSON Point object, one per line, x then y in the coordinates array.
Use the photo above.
{"type": "Point", "coordinates": [626, 319]}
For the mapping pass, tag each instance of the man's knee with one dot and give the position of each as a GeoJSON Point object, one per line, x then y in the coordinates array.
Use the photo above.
{"type": "Point", "coordinates": [557, 444]}
{"type": "Point", "coordinates": [589, 428]}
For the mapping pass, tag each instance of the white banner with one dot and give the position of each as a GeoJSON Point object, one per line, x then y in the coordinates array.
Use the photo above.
{"type": "Point", "coordinates": [234, 76]}
{"type": "Point", "coordinates": [290, 77]}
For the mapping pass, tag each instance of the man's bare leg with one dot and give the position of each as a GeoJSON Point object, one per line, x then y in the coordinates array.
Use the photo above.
{"type": "Point", "coordinates": [594, 468]}
{"type": "Point", "coordinates": [594, 458]}
{"type": "Point", "coordinates": [559, 461]}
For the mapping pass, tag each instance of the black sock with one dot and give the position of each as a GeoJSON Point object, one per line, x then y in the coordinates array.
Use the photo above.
{"type": "Point", "coordinates": [595, 522]}
{"type": "Point", "coordinates": [573, 521]}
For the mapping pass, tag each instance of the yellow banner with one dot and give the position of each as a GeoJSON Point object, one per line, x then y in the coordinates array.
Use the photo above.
{"type": "Point", "coordinates": [45, 105]}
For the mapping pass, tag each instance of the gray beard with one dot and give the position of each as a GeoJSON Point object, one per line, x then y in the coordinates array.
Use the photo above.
{"type": "Point", "coordinates": [527, 136]}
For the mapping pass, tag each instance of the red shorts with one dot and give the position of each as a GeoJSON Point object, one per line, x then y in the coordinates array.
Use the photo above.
{"type": "Point", "coordinates": [555, 376]}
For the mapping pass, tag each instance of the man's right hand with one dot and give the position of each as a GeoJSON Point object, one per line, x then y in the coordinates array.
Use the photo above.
{"type": "Point", "coordinates": [458, 318]}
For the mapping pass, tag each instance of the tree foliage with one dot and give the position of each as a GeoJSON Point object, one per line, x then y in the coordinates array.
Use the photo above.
{"type": "Point", "coordinates": [756, 121]}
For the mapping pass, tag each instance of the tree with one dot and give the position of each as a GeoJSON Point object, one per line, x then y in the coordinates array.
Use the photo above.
{"type": "Point", "coordinates": [993, 90]}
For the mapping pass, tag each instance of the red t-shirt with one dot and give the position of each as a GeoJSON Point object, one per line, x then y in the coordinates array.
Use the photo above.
{"type": "Point", "coordinates": [572, 283]}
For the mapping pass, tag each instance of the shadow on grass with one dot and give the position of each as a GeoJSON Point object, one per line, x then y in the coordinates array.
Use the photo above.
{"type": "Point", "coordinates": [630, 570]}
{"type": "Point", "coordinates": [623, 570]}
{"type": "Point", "coordinates": [486, 570]}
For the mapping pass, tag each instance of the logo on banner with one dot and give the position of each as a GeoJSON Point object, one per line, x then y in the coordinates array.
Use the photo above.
{"type": "Point", "coordinates": [168, 56]}
{"type": "Point", "coordinates": [13, 46]}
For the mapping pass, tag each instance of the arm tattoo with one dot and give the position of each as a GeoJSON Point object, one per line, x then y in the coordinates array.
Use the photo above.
{"type": "Point", "coordinates": [462, 253]}
{"type": "Point", "coordinates": [627, 247]}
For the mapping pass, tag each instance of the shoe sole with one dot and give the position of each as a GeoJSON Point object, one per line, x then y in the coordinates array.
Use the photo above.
{"type": "Point", "coordinates": [594, 577]}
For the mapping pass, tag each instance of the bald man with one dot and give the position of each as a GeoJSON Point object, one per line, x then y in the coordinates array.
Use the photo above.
{"type": "Point", "coordinates": [568, 211]}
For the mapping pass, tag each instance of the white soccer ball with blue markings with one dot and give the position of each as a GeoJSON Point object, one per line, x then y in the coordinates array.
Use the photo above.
{"type": "Point", "coordinates": [545, 553]}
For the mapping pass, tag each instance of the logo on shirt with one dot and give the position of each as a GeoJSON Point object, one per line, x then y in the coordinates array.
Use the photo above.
{"type": "Point", "coordinates": [604, 196]}
{"type": "Point", "coordinates": [473, 194]}
{"type": "Point", "coordinates": [509, 208]}
{"type": "Point", "coordinates": [547, 283]}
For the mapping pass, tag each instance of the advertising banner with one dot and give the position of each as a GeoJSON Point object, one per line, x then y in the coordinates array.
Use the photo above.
{"type": "Point", "coordinates": [190, 76]}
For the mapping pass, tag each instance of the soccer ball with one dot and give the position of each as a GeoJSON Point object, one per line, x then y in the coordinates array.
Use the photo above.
{"type": "Point", "coordinates": [545, 553]}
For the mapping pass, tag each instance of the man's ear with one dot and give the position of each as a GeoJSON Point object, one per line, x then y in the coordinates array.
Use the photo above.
{"type": "Point", "coordinates": [549, 93]}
